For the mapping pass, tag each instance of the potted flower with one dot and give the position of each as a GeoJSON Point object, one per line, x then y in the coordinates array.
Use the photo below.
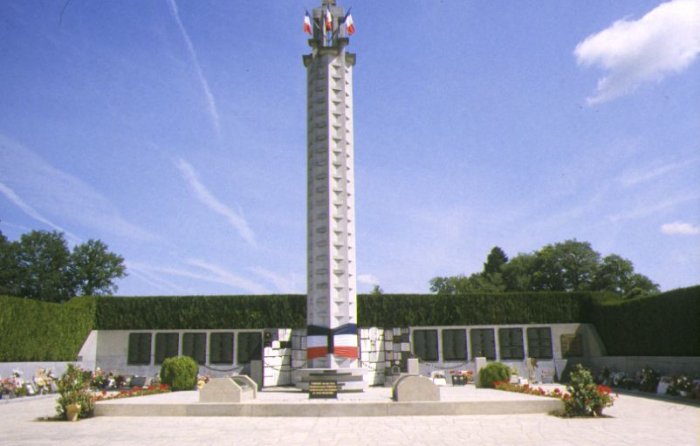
{"type": "Point", "coordinates": [75, 400]}
{"type": "Point", "coordinates": [682, 385]}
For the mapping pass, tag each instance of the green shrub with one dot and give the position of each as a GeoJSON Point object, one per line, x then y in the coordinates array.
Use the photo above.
{"type": "Point", "coordinates": [493, 372]}
{"type": "Point", "coordinates": [585, 399]}
{"type": "Point", "coordinates": [179, 372]}
{"type": "Point", "coordinates": [74, 388]}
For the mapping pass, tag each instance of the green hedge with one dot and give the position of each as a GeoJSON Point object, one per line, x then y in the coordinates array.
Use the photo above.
{"type": "Point", "coordinates": [397, 310]}
{"type": "Point", "coordinates": [31, 330]}
{"type": "Point", "coordinates": [201, 312]}
{"type": "Point", "coordinates": [666, 324]}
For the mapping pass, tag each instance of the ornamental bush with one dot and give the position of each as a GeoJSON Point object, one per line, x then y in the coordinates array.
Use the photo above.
{"type": "Point", "coordinates": [179, 372]}
{"type": "Point", "coordinates": [494, 372]}
{"type": "Point", "coordinates": [585, 398]}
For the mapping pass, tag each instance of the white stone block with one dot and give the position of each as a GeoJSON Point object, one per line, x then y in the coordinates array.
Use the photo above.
{"type": "Point", "coordinates": [405, 347]}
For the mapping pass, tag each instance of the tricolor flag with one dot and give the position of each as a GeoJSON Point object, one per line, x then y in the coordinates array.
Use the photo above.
{"type": "Point", "coordinates": [345, 341]}
{"type": "Point", "coordinates": [349, 25]}
{"type": "Point", "coordinates": [316, 342]}
{"type": "Point", "coordinates": [307, 23]}
{"type": "Point", "coordinates": [329, 20]}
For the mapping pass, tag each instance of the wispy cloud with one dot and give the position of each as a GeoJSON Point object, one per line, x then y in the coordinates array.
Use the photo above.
{"type": "Point", "coordinates": [221, 275]}
{"type": "Point", "coordinates": [149, 275]}
{"type": "Point", "coordinates": [368, 279]}
{"type": "Point", "coordinates": [209, 200]}
{"type": "Point", "coordinates": [646, 209]}
{"type": "Point", "coordinates": [17, 201]}
{"type": "Point", "coordinates": [282, 283]}
{"type": "Point", "coordinates": [211, 103]}
{"type": "Point", "coordinates": [204, 271]}
{"type": "Point", "coordinates": [634, 177]}
{"type": "Point", "coordinates": [680, 228]}
{"type": "Point", "coordinates": [665, 41]}
{"type": "Point", "coordinates": [49, 194]}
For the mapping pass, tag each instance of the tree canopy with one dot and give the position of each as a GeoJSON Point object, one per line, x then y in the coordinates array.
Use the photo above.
{"type": "Point", "coordinates": [40, 266]}
{"type": "Point", "coordinates": [566, 266]}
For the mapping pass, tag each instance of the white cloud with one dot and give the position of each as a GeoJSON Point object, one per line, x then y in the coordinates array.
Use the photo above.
{"type": "Point", "coordinates": [209, 273]}
{"type": "Point", "coordinates": [646, 209]}
{"type": "Point", "coordinates": [282, 283]}
{"type": "Point", "coordinates": [220, 275]}
{"type": "Point", "coordinates": [680, 228]}
{"type": "Point", "coordinates": [368, 279]}
{"type": "Point", "coordinates": [665, 41]}
{"type": "Point", "coordinates": [634, 177]}
{"type": "Point", "coordinates": [211, 103]}
{"type": "Point", "coordinates": [48, 194]}
{"type": "Point", "coordinates": [209, 200]}
{"type": "Point", "coordinates": [17, 201]}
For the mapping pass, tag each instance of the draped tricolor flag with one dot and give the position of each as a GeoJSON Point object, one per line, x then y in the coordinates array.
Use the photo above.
{"type": "Point", "coordinates": [349, 25]}
{"type": "Point", "coordinates": [307, 23]}
{"type": "Point", "coordinates": [329, 20]}
{"type": "Point", "coordinates": [345, 341]}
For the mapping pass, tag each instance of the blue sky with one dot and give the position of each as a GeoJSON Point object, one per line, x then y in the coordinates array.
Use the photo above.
{"type": "Point", "coordinates": [174, 131]}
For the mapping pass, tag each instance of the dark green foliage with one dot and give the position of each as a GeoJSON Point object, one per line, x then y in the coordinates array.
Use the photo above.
{"type": "Point", "coordinates": [402, 310]}
{"type": "Point", "coordinates": [201, 312]}
{"type": "Point", "coordinates": [74, 388]}
{"type": "Point", "coordinates": [179, 372]}
{"type": "Point", "coordinates": [666, 324]}
{"type": "Point", "coordinates": [566, 266]}
{"type": "Point", "coordinates": [40, 266]}
{"type": "Point", "coordinates": [31, 330]}
{"type": "Point", "coordinates": [493, 372]}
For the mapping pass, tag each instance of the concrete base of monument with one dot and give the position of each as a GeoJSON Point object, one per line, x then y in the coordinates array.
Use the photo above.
{"type": "Point", "coordinates": [292, 402]}
{"type": "Point", "coordinates": [347, 379]}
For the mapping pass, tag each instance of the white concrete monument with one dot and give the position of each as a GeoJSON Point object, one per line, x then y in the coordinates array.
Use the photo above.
{"type": "Point", "coordinates": [331, 277]}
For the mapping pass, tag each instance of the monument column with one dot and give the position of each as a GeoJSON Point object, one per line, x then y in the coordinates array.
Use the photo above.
{"type": "Point", "coordinates": [331, 273]}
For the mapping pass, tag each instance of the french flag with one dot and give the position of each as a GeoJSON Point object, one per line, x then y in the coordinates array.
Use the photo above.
{"type": "Point", "coordinates": [345, 341]}
{"type": "Point", "coordinates": [316, 342]}
{"type": "Point", "coordinates": [349, 25]}
{"type": "Point", "coordinates": [307, 23]}
{"type": "Point", "coordinates": [329, 20]}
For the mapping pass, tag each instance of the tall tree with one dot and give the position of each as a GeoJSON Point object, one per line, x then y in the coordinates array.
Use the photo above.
{"type": "Point", "coordinates": [566, 266]}
{"type": "Point", "coordinates": [495, 261]}
{"type": "Point", "coordinates": [93, 269]}
{"type": "Point", "coordinates": [42, 261]}
{"type": "Point", "coordinates": [40, 266]}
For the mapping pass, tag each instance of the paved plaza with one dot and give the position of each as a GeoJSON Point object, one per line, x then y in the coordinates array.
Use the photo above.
{"type": "Point", "coordinates": [633, 421]}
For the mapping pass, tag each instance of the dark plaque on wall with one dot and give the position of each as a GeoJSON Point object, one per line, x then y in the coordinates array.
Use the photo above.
{"type": "Point", "coordinates": [323, 389]}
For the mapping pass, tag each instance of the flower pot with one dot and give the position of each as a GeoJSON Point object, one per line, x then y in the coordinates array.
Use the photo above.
{"type": "Point", "coordinates": [72, 412]}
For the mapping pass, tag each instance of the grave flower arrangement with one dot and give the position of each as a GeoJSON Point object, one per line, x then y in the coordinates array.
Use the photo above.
{"type": "Point", "coordinates": [680, 385]}
{"type": "Point", "coordinates": [648, 379]}
{"type": "Point", "coordinates": [585, 398]}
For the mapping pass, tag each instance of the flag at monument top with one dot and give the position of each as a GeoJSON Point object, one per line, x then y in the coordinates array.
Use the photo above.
{"type": "Point", "coordinates": [307, 23]}
{"type": "Point", "coordinates": [329, 20]}
{"type": "Point", "coordinates": [349, 25]}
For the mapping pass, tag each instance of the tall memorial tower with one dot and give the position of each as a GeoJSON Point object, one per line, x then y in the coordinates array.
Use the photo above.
{"type": "Point", "coordinates": [331, 272]}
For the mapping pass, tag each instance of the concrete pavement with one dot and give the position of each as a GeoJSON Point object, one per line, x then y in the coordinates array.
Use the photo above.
{"type": "Point", "coordinates": [633, 421]}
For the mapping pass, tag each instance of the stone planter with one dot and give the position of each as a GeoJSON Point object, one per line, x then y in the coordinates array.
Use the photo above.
{"type": "Point", "coordinates": [72, 412]}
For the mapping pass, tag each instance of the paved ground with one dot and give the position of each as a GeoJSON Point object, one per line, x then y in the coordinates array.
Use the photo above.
{"type": "Point", "coordinates": [633, 421]}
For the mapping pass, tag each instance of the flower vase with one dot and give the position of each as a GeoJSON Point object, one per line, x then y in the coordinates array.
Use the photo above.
{"type": "Point", "coordinates": [72, 412]}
